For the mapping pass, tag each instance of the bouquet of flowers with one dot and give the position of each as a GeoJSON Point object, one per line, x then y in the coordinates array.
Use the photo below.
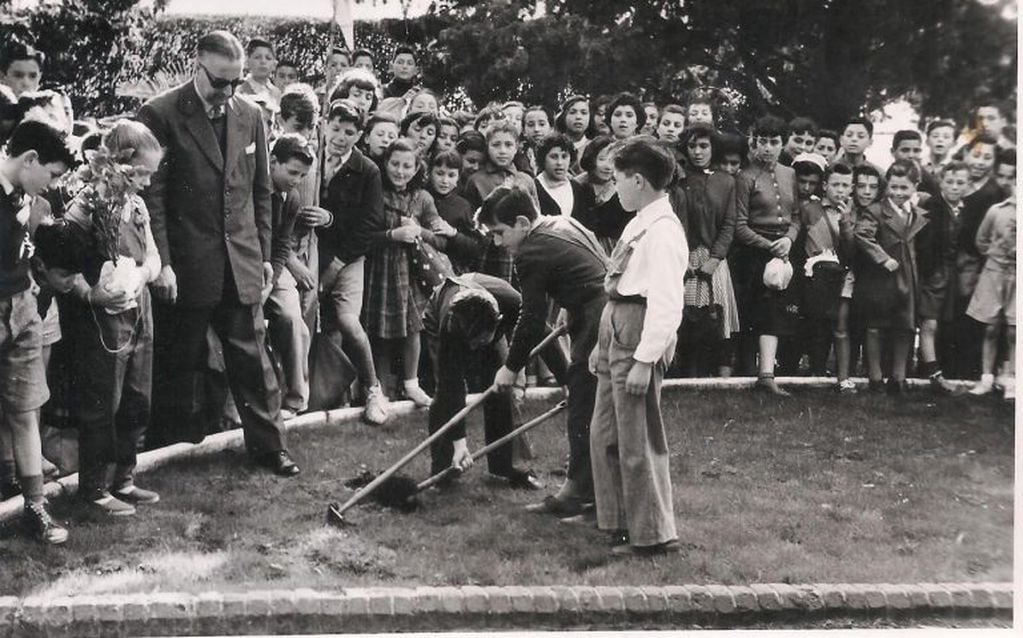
{"type": "Point", "coordinates": [107, 197]}
{"type": "Point", "coordinates": [104, 195]}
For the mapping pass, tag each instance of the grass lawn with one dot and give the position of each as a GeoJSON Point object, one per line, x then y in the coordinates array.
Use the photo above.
{"type": "Point", "coordinates": [817, 488]}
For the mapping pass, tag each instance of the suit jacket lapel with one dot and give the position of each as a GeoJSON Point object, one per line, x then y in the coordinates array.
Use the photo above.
{"type": "Point", "coordinates": [198, 125]}
{"type": "Point", "coordinates": [235, 135]}
{"type": "Point", "coordinates": [920, 219]}
{"type": "Point", "coordinates": [895, 219]}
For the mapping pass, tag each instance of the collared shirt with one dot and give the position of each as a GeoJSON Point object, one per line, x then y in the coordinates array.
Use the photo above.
{"type": "Point", "coordinates": [996, 237]}
{"type": "Point", "coordinates": [333, 164]}
{"type": "Point", "coordinates": [212, 111]}
{"type": "Point", "coordinates": [656, 271]}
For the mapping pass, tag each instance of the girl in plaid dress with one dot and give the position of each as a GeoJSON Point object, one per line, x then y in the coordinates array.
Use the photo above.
{"type": "Point", "coordinates": [393, 303]}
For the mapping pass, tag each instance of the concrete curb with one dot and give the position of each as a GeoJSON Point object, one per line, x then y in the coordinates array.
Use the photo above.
{"type": "Point", "coordinates": [446, 608]}
{"type": "Point", "coordinates": [233, 439]}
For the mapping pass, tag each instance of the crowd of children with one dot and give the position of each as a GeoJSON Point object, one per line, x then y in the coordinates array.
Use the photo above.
{"type": "Point", "coordinates": [795, 254]}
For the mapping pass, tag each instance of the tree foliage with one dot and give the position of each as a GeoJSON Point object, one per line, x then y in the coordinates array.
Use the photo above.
{"type": "Point", "coordinates": [825, 58]}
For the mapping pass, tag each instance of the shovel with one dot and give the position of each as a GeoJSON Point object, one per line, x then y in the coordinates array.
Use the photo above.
{"type": "Point", "coordinates": [335, 513]}
{"type": "Point", "coordinates": [522, 429]}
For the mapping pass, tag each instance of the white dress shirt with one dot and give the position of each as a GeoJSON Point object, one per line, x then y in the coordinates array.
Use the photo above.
{"type": "Point", "coordinates": [656, 271]}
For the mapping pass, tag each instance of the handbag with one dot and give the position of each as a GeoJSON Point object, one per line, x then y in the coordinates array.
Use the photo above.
{"type": "Point", "coordinates": [823, 290]}
{"type": "Point", "coordinates": [428, 267]}
{"type": "Point", "coordinates": [330, 371]}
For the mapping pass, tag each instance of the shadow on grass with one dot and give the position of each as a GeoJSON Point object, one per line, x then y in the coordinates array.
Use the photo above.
{"type": "Point", "coordinates": [817, 488]}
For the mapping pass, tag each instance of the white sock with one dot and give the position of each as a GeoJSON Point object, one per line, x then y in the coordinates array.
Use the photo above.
{"type": "Point", "coordinates": [412, 383]}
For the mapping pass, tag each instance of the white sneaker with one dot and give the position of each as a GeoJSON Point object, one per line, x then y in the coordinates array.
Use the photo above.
{"type": "Point", "coordinates": [984, 386]}
{"type": "Point", "coordinates": [417, 395]}
{"type": "Point", "coordinates": [376, 406]}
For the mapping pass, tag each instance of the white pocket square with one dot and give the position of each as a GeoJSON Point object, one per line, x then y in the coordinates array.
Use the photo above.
{"type": "Point", "coordinates": [250, 149]}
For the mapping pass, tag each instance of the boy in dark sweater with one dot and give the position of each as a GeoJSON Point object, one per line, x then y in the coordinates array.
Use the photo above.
{"type": "Point", "coordinates": [559, 258]}
{"type": "Point", "coordinates": [467, 322]}
{"type": "Point", "coordinates": [352, 193]}
{"type": "Point", "coordinates": [36, 156]}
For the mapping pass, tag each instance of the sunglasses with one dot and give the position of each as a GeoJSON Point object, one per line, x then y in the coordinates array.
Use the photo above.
{"type": "Point", "coordinates": [220, 83]}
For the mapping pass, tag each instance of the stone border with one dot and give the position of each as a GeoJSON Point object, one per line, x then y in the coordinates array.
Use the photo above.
{"type": "Point", "coordinates": [233, 439]}
{"type": "Point", "coordinates": [463, 608]}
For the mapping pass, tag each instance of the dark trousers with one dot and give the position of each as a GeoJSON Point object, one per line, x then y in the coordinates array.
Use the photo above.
{"type": "Point", "coordinates": [958, 346]}
{"type": "Point", "coordinates": [113, 380]}
{"type": "Point", "coordinates": [250, 373]}
{"type": "Point", "coordinates": [454, 363]}
{"type": "Point", "coordinates": [583, 329]}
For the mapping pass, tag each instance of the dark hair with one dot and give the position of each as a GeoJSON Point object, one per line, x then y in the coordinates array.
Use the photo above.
{"type": "Point", "coordinates": [828, 133]}
{"type": "Point", "coordinates": [903, 168]}
{"type": "Point", "coordinates": [472, 312]}
{"type": "Point", "coordinates": [552, 141]}
{"type": "Point", "coordinates": [536, 108]}
{"type": "Point", "coordinates": [982, 138]}
{"type": "Point", "coordinates": [1005, 156]}
{"type": "Point", "coordinates": [671, 108]}
{"type": "Point", "coordinates": [862, 121]}
{"type": "Point", "coordinates": [802, 124]}
{"type": "Point", "coordinates": [358, 78]}
{"type": "Point", "coordinates": [259, 43]}
{"type": "Point", "coordinates": [346, 111]}
{"type": "Point", "coordinates": [15, 51]}
{"type": "Point", "coordinates": [300, 101]}
{"type": "Point", "coordinates": [770, 126]}
{"type": "Point", "coordinates": [655, 163]}
{"type": "Point", "coordinates": [293, 146]}
{"type": "Point", "coordinates": [730, 144]}
{"type": "Point", "coordinates": [403, 48]}
{"type": "Point", "coordinates": [869, 170]}
{"type": "Point", "coordinates": [838, 168]}
{"type": "Point", "coordinates": [361, 53]}
{"type": "Point", "coordinates": [693, 132]}
{"type": "Point", "coordinates": [423, 118]}
{"type": "Point", "coordinates": [400, 145]}
{"type": "Point", "coordinates": [444, 120]}
{"type": "Point", "coordinates": [340, 51]}
{"type": "Point", "coordinates": [463, 118]}
{"type": "Point", "coordinates": [954, 165]}
{"type": "Point", "coordinates": [1004, 108]}
{"type": "Point", "coordinates": [559, 120]}
{"type": "Point", "coordinates": [904, 135]}
{"type": "Point", "coordinates": [938, 123]}
{"type": "Point", "coordinates": [471, 141]}
{"type": "Point", "coordinates": [626, 99]}
{"type": "Point", "coordinates": [447, 159]}
{"type": "Point", "coordinates": [505, 204]}
{"type": "Point", "coordinates": [221, 43]}
{"type": "Point", "coordinates": [588, 161]}
{"type": "Point", "coordinates": [45, 140]}
{"type": "Point", "coordinates": [286, 62]}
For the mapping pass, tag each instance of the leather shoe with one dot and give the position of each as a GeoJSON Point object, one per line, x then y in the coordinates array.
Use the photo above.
{"type": "Point", "coordinates": [523, 480]}
{"type": "Point", "coordinates": [660, 549]}
{"type": "Point", "coordinates": [558, 507]}
{"type": "Point", "coordinates": [280, 463]}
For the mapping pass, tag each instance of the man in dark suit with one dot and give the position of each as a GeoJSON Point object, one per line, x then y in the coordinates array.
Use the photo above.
{"type": "Point", "coordinates": [211, 218]}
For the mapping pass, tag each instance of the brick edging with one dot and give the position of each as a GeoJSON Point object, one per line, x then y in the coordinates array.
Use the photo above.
{"type": "Point", "coordinates": [233, 439]}
{"type": "Point", "coordinates": [440, 608]}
